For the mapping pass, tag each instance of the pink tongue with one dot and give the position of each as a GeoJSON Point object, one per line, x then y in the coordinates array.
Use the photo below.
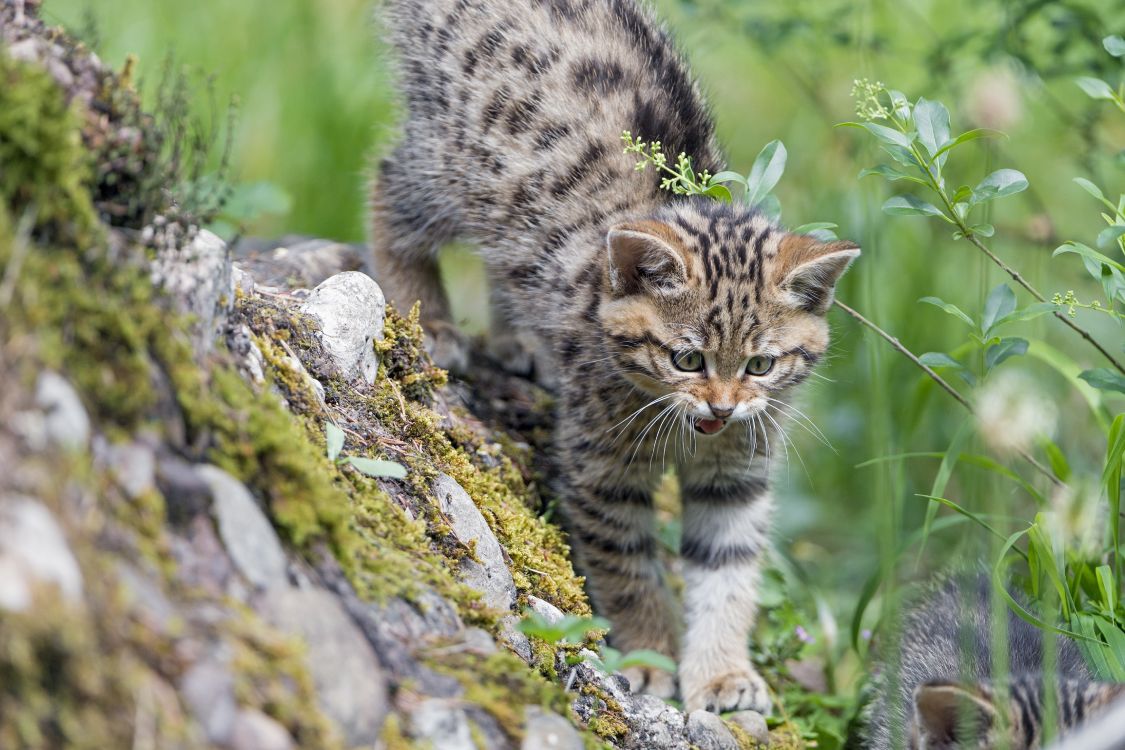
{"type": "Point", "coordinates": [710, 426]}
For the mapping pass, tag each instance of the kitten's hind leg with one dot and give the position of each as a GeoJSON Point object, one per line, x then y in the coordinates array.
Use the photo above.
{"type": "Point", "coordinates": [406, 233]}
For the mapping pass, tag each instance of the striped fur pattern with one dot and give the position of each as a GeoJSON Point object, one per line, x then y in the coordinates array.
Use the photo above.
{"type": "Point", "coordinates": [946, 697]}
{"type": "Point", "coordinates": [514, 111]}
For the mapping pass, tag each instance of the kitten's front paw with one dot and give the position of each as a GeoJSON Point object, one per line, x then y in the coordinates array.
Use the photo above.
{"type": "Point", "coordinates": [650, 681]}
{"type": "Point", "coordinates": [733, 691]}
{"type": "Point", "coordinates": [447, 346]}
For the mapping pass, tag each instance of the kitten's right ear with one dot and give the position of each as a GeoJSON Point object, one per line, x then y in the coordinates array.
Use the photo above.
{"type": "Point", "coordinates": [645, 256]}
{"type": "Point", "coordinates": [950, 714]}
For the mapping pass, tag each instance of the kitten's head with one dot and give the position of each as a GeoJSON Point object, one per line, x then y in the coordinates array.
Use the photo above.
{"type": "Point", "coordinates": [712, 306]}
{"type": "Point", "coordinates": [964, 716]}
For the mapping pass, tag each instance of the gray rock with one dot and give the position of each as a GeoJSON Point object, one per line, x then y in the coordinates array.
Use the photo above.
{"type": "Point", "coordinates": [753, 723]}
{"type": "Point", "coordinates": [33, 552]}
{"type": "Point", "coordinates": [549, 731]}
{"type": "Point", "coordinates": [242, 279]}
{"type": "Point", "coordinates": [208, 690]}
{"type": "Point", "coordinates": [66, 423]}
{"type": "Point", "coordinates": [544, 609]}
{"type": "Point", "coordinates": [186, 494]}
{"type": "Point", "coordinates": [654, 725]}
{"type": "Point", "coordinates": [478, 641]}
{"type": "Point", "coordinates": [442, 724]}
{"type": "Point", "coordinates": [298, 261]}
{"type": "Point", "coordinates": [350, 685]}
{"type": "Point", "coordinates": [349, 309]}
{"type": "Point", "coordinates": [246, 532]}
{"type": "Point", "coordinates": [248, 357]}
{"type": "Point", "coordinates": [514, 639]}
{"type": "Point", "coordinates": [489, 573]}
{"type": "Point", "coordinates": [133, 465]}
{"type": "Point", "coordinates": [197, 278]}
{"type": "Point", "coordinates": [253, 730]}
{"type": "Point", "coordinates": [707, 731]}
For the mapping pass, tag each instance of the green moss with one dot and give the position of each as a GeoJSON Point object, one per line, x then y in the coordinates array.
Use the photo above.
{"type": "Point", "coordinates": [391, 736]}
{"type": "Point", "coordinates": [45, 170]}
{"type": "Point", "coordinates": [744, 740]}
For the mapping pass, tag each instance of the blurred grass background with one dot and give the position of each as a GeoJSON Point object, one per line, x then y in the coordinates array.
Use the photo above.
{"type": "Point", "coordinates": [316, 102]}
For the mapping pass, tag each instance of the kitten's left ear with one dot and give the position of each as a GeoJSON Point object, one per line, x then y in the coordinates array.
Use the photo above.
{"type": "Point", "coordinates": [950, 714]}
{"type": "Point", "coordinates": [809, 269]}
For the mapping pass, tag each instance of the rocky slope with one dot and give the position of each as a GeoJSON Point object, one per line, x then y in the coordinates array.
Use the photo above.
{"type": "Point", "coordinates": [189, 556]}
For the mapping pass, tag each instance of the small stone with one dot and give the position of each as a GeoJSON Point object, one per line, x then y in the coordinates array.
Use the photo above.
{"type": "Point", "coordinates": [707, 731]}
{"type": "Point", "coordinates": [490, 576]}
{"type": "Point", "coordinates": [655, 725]}
{"type": "Point", "coordinates": [133, 466]}
{"type": "Point", "coordinates": [66, 422]}
{"type": "Point", "coordinates": [549, 731]}
{"type": "Point", "coordinates": [349, 308]}
{"type": "Point", "coordinates": [208, 691]}
{"type": "Point", "coordinates": [442, 724]}
{"type": "Point", "coordinates": [514, 639]}
{"type": "Point", "coordinates": [243, 281]}
{"type": "Point", "coordinates": [253, 730]}
{"type": "Point", "coordinates": [753, 723]}
{"type": "Point", "coordinates": [478, 641]}
{"type": "Point", "coordinates": [33, 552]}
{"type": "Point", "coordinates": [549, 612]}
{"type": "Point", "coordinates": [185, 492]}
{"type": "Point", "coordinates": [248, 356]}
{"type": "Point", "coordinates": [246, 533]}
{"type": "Point", "coordinates": [350, 685]}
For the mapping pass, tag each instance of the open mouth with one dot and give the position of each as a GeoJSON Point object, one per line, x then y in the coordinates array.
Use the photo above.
{"type": "Point", "coordinates": [710, 426]}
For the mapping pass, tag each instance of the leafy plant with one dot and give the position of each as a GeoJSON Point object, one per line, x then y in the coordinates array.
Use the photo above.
{"type": "Point", "coordinates": [576, 630]}
{"type": "Point", "coordinates": [372, 467]}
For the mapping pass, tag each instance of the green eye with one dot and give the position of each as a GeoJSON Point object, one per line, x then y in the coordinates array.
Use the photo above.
{"type": "Point", "coordinates": [759, 365]}
{"type": "Point", "coordinates": [688, 361]}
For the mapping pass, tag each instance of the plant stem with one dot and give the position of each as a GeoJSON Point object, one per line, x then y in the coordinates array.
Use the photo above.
{"type": "Point", "coordinates": [898, 346]}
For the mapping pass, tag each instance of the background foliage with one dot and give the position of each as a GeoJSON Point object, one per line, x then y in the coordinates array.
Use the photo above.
{"type": "Point", "coordinates": [315, 102]}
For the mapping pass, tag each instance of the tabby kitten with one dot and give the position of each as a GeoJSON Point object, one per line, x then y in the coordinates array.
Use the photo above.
{"type": "Point", "coordinates": [673, 328]}
{"type": "Point", "coordinates": [944, 696]}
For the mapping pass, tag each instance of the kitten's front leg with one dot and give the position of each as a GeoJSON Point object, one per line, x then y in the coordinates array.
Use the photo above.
{"type": "Point", "coordinates": [724, 538]}
{"type": "Point", "coordinates": [611, 525]}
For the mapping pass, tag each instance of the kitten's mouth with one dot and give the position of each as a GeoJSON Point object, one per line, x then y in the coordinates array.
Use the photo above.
{"type": "Point", "coordinates": [710, 426]}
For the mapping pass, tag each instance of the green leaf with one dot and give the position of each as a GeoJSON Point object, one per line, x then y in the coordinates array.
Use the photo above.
{"type": "Point", "coordinates": [941, 479]}
{"type": "Point", "coordinates": [1008, 347]}
{"type": "Point", "coordinates": [904, 156]}
{"type": "Point", "coordinates": [646, 658]}
{"type": "Point", "coordinates": [1108, 590]}
{"type": "Point", "coordinates": [377, 468]}
{"type": "Point", "coordinates": [720, 193]}
{"type": "Point", "coordinates": [1057, 459]}
{"type": "Point", "coordinates": [1001, 301]}
{"type": "Point", "coordinates": [949, 308]}
{"type": "Point", "coordinates": [728, 176]}
{"type": "Point", "coordinates": [931, 118]}
{"type": "Point", "coordinates": [940, 359]}
{"type": "Point", "coordinates": [1114, 45]}
{"type": "Point", "coordinates": [1107, 238]}
{"type": "Point", "coordinates": [984, 230]}
{"type": "Point", "coordinates": [1105, 379]}
{"type": "Point", "coordinates": [814, 226]}
{"type": "Point", "coordinates": [1095, 88]}
{"type": "Point", "coordinates": [969, 135]}
{"type": "Point", "coordinates": [1027, 313]}
{"type": "Point", "coordinates": [1070, 246]}
{"type": "Point", "coordinates": [1092, 189]}
{"type": "Point", "coordinates": [770, 207]}
{"type": "Point", "coordinates": [884, 134]}
{"type": "Point", "coordinates": [908, 205]}
{"type": "Point", "coordinates": [767, 170]}
{"type": "Point", "coordinates": [890, 173]}
{"type": "Point", "coordinates": [334, 437]}
{"type": "Point", "coordinates": [1001, 183]}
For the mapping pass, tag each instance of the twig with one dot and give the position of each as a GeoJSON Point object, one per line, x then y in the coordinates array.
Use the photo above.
{"type": "Point", "coordinates": [1016, 277]}
{"type": "Point", "coordinates": [894, 342]}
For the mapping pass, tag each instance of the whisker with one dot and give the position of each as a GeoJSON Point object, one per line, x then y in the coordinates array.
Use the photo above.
{"type": "Point", "coordinates": [633, 416]}
{"type": "Point", "coordinates": [797, 416]}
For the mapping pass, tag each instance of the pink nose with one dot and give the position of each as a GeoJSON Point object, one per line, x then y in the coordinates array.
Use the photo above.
{"type": "Point", "coordinates": [721, 412]}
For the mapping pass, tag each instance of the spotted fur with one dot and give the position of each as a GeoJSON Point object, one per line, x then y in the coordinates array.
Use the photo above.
{"type": "Point", "coordinates": [939, 693]}
{"type": "Point", "coordinates": [514, 112]}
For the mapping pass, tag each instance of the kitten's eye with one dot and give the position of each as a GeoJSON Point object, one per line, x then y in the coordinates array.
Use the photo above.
{"type": "Point", "coordinates": [759, 365]}
{"type": "Point", "coordinates": [688, 361]}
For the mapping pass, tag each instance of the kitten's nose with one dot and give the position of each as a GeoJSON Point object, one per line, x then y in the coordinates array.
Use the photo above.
{"type": "Point", "coordinates": [721, 412]}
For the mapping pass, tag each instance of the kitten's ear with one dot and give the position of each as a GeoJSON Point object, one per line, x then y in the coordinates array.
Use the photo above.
{"type": "Point", "coordinates": [950, 714]}
{"type": "Point", "coordinates": [809, 269]}
{"type": "Point", "coordinates": [645, 256]}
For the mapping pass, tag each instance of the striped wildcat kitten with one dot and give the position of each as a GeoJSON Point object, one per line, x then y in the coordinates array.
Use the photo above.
{"type": "Point", "coordinates": [946, 697]}
{"type": "Point", "coordinates": [673, 328]}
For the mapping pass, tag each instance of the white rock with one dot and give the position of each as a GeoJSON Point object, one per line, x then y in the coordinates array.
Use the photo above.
{"type": "Point", "coordinates": [350, 685]}
{"type": "Point", "coordinates": [33, 551]}
{"type": "Point", "coordinates": [65, 420]}
{"type": "Point", "coordinates": [208, 690]}
{"type": "Point", "coordinates": [519, 643]}
{"type": "Point", "coordinates": [245, 531]}
{"type": "Point", "coordinates": [349, 308]}
{"type": "Point", "coordinates": [490, 576]}
{"type": "Point", "coordinates": [549, 731]}
{"type": "Point", "coordinates": [707, 731]}
{"type": "Point", "coordinates": [655, 725]}
{"type": "Point", "coordinates": [753, 723]}
{"type": "Point", "coordinates": [253, 730]}
{"type": "Point", "coordinates": [442, 724]}
{"type": "Point", "coordinates": [545, 609]}
{"type": "Point", "coordinates": [197, 277]}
